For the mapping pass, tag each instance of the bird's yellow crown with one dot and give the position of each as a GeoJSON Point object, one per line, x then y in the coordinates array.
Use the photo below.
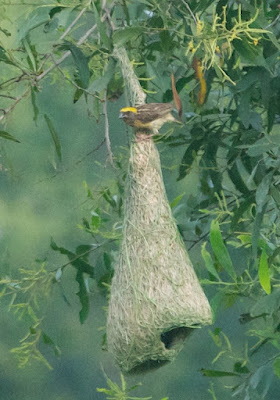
{"type": "Point", "coordinates": [132, 109]}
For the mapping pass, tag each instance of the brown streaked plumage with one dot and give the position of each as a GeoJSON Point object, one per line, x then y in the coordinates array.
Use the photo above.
{"type": "Point", "coordinates": [148, 116]}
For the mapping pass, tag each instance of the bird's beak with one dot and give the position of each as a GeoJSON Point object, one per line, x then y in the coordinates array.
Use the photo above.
{"type": "Point", "coordinates": [121, 115]}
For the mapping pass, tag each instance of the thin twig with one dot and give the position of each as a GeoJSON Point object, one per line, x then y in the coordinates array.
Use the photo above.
{"type": "Point", "coordinates": [108, 15]}
{"type": "Point", "coordinates": [190, 11]}
{"type": "Point", "coordinates": [73, 23]}
{"type": "Point", "coordinates": [47, 71]}
{"type": "Point", "coordinates": [94, 247]}
{"type": "Point", "coordinates": [96, 148]}
{"type": "Point", "coordinates": [273, 22]}
{"type": "Point", "coordinates": [8, 97]}
{"type": "Point", "coordinates": [10, 81]}
{"type": "Point", "coordinates": [91, 151]}
{"type": "Point", "coordinates": [75, 84]}
{"type": "Point", "coordinates": [107, 136]}
{"type": "Point", "coordinates": [65, 55]}
{"type": "Point", "coordinates": [9, 109]}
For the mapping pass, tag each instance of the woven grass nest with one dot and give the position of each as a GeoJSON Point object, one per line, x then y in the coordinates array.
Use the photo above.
{"type": "Point", "coordinates": [156, 298]}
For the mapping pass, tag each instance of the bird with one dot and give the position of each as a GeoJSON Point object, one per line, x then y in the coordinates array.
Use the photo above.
{"type": "Point", "coordinates": [149, 116]}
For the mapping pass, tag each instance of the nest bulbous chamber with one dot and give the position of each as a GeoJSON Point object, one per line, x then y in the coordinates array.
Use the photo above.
{"type": "Point", "coordinates": [156, 299]}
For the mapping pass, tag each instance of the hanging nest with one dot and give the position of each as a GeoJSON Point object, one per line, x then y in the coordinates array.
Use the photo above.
{"type": "Point", "coordinates": [156, 298]}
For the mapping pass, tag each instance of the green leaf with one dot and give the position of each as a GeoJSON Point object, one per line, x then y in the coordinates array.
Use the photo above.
{"type": "Point", "coordinates": [216, 302]}
{"type": "Point", "coordinates": [75, 259]}
{"type": "Point", "coordinates": [31, 53]}
{"type": "Point", "coordinates": [241, 369]}
{"type": "Point", "coordinates": [36, 18]}
{"type": "Point", "coordinates": [244, 108]}
{"type": "Point", "coordinates": [34, 105]}
{"type": "Point", "coordinates": [273, 108]}
{"type": "Point", "coordinates": [220, 249]}
{"type": "Point", "coordinates": [237, 179]}
{"type": "Point", "coordinates": [55, 137]}
{"type": "Point", "coordinates": [96, 108]}
{"type": "Point", "coordinates": [81, 63]}
{"type": "Point", "coordinates": [177, 200]}
{"type": "Point", "coordinates": [256, 230]}
{"type": "Point", "coordinates": [77, 95]}
{"type": "Point", "coordinates": [250, 79]}
{"type": "Point", "coordinates": [6, 135]}
{"type": "Point", "coordinates": [101, 83]}
{"type": "Point", "coordinates": [101, 27]}
{"type": "Point", "coordinates": [260, 147]}
{"type": "Point", "coordinates": [276, 367]}
{"type": "Point", "coordinates": [121, 36]}
{"type": "Point", "coordinates": [264, 276]}
{"type": "Point", "coordinates": [249, 52]}
{"type": "Point", "coordinates": [265, 87]}
{"type": "Point", "coordinates": [4, 57]}
{"type": "Point", "coordinates": [48, 341]}
{"type": "Point", "coordinates": [55, 10]}
{"type": "Point", "coordinates": [5, 31]}
{"type": "Point", "coordinates": [83, 296]}
{"type": "Point", "coordinates": [208, 261]}
{"type": "Point", "coordinates": [188, 158]}
{"type": "Point", "coordinates": [266, 304]}
{"type": "Point", "coordinates": [262, 190]}
{"type": "Point", "coordinates": [217, 374]}
{"type": "Point", "coordinates": [51, 25]}
{"type": "Point", "coordinates": [239, 210]}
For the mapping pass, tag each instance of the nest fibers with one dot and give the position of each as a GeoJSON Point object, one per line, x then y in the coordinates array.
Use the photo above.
{"type": "Point", "coordinates": [156, 297]}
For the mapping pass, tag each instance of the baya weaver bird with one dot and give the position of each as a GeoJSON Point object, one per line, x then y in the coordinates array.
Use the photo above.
{"type": "Point", "coordinates": [153, 115]}
{"type": "Point", "coordinates": [148, 116]}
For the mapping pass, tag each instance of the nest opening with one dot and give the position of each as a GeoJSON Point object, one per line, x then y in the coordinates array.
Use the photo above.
{"type": "Point", "coordinates": [176, 336]}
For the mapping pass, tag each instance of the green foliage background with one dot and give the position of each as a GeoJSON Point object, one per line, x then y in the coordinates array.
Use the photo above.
{"type": "Point", "coordinates": [62, 190]}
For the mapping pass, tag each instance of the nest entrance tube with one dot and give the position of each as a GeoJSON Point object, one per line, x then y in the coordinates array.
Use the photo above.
{"type": "Point", "coordinates": [156, 299]}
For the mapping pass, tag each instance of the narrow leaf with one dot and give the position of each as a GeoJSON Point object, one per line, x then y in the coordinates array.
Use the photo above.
{"type": "Point", "coordinates": [220, 249]}
{"type": "Point", "coordinates": [55, 137]}
{"type": "Point", "coordinates": [34, 105]}
{"type": "Point", "coordinates": [276, 367]}
{"type": "Point", "coordinates": [81, 63]}
{"type": "Point", "coordinates": [216, 303]}
{"type": "Point", "coordinates": [4, 57]}
{"type": "Point", "coordinates": [188, 158]}
{"type": "Point", "coordinates": [5, 31]}
{"type": "Point", "coordinates": [263, 189]}
{"type": "Point", "coordinates": [177, 200]}
{"type": "Point", "coordinates": [122, 36]}
{"type": "Point", "coordinates": [29, 52]}
{"type": "Point", "coordinates": [217, 374]}
{"type": "Point", "coordinates": [266, 304]}
{"type": "Point", "coordinates": [101, 83]}
{"type": "Point", "coordinates": [256, 230]}
{"type": "Point", "coordinates": [271, 113]}
{"type": "Point", "coordinates": [101, 27]}
{"type": "Point", "coordinates": [208, 261]}
{"type": "Point", "coordinates": [264, 276]}
{"type": "Point", "coordinates": [83, 296]}
{"type": "Point", "coordinates": [237, 180]}
{"type": "Point", "coordinates": [6, 135]}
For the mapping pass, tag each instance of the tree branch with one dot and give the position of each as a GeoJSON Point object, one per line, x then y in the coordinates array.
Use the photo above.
{"type": "Point", "coordinates": [65, 55]}
{"type": "Point", "coordinates": [73, 23]}
{"type": "Point", "coordinates": [47, 71]}
{"type": "Point", "coordinates": [107, 133]}
{"type": "Point", "coordinates": [190, 11]}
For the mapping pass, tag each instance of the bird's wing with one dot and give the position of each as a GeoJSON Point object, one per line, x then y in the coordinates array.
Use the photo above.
{"type": "Point", "coordinates": [150, 112]}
